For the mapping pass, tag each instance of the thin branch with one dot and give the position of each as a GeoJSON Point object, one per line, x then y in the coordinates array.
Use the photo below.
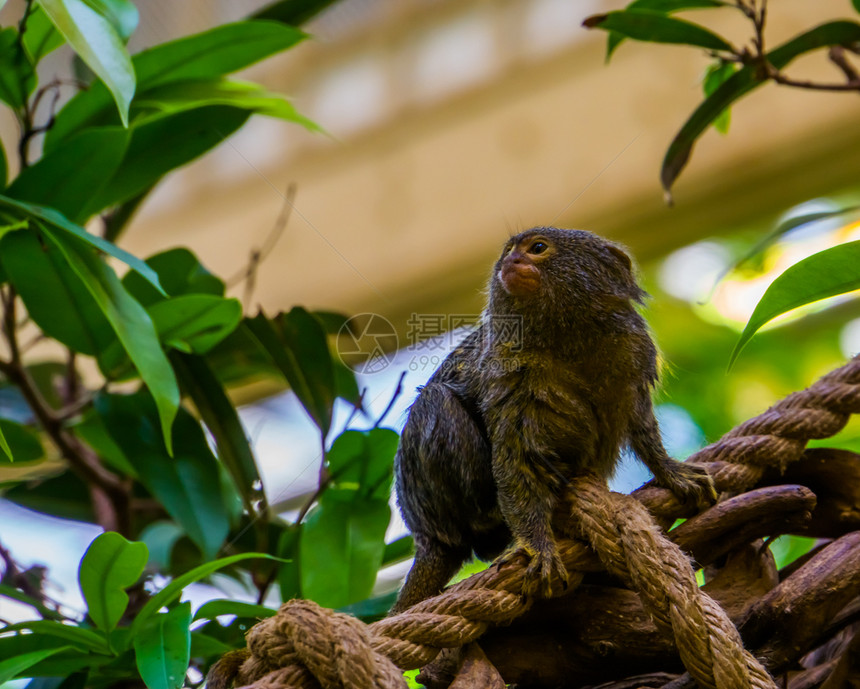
{"type": "Point", "coordinates": [80, 457]}
{"type": "Point", "coordinates": [25, 581]}
{"type": "Point", "coordinates": [257, 256]}
{"type": "Point", "coordinates": [303, 512]}
{"type": "Point", "coordinates": [358, 407]}
{"type": "Point", "coordinates": [25, 115]}
{"type": "Point", "coordinates": [397, 392]}
{"type": "Point", "coordinates": [783, 80]}
{"type": "Point", "coordinates": [838, 58]}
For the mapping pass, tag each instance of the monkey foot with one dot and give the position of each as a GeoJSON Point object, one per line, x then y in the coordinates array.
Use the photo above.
{"type": "Point", "coordinates": [545, 573]}
{"type": "Point", "coordinates": [692, 485]}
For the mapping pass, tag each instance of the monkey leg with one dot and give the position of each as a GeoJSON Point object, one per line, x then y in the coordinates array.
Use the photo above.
{"type": "Point", "coordinates": [445, 490]}
{"type": "Point", "coordinates": [527, 502]}
{"type": "Point", "coordinates": [435, 564]}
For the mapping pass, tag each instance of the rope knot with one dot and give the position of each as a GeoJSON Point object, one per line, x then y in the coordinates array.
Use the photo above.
{"type": "Point", "coordinates": [333, 646]}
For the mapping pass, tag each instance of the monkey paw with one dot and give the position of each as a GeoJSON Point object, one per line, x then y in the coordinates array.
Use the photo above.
{"type": "Point", "coordinates": [691, 484]}
{"type": "Point", "coordinates": [545, 573]}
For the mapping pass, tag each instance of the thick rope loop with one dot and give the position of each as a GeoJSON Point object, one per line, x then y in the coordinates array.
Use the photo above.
{"type": "Point", "coordinates": [334, 647]}
{"type": "Point", "coordinates": [311, 647]}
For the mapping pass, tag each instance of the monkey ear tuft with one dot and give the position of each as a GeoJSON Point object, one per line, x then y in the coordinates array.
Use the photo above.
{"type": "Point", "coordinates": [621, 256]}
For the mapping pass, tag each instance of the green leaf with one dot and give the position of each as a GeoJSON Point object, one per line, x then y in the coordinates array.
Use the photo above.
{"type": "Point", "coordinates": [117, 220]}
{"type": "Point", "coordinates": [241, 359]}
{"type": "Point", "coordinates": [81, 637]}
{"type": "Point", "coordinates": [63, 662]}
{"type": "Point", "coordinates": [208, 55]}
{"type": "Point", "coordinates": [214, 53]}
{"type": "Point", "coordinates": [179, 273]}
{"type": "Point", "coordinates": [160, 537]}
{"type": "Point", "coordinates": [134, 330]}
{"type": "Point", "coordinates": [289, 573]}
{"type": "Point", "coordinates": [799, 220]}
{"type": "Point", "coordinates": [614, 39]}
{"type": "Point", "coordinates": [825, 274]}
{"type": "Point", "coordinates": [110, 565]}
{"type": "Point", "coordinates": [17, 78]}
{"type": "Point", "coordinates": [98, 44]}
{"type": "Point", "coordinates": [345, 384]}
{"type": "Point", "coordinates": [666, 6]}
{"type": "Point", "coordinates": [65, 496]}
{"type": "Point", "coordinates": [371, 609]}
{"type": "Point", "coordinates": [19, 443]}
{"type": "Point", "coordinates": [163, 143]}
{"type": "Point", "coordinates": [41, 37]}
{"type": "Point", "coordinates": [363, 461]}
{"type": "Point", "coordinates": [174, 589]}
{"type": "Point", "coordinates": [190, 95]}
{"type": "Point", "coordinates": [4, 446]}
{"type": "Point", "coordinates": [741, 83]}
{"type": "Point", "coordinates": [293, 12]}
{"type": "Point", "coordinates": [784, 228]}
{"type": "Point", "coordinates": [17, 666]}
{"type": "Point", "coordinates": [55, 297]}
{"type": "Point", "coordinates": [342, 544]}
{"type": "Point", "coordinates": [17, 595]}
{"type": "Point", "coordinates": [162, 648]}
{"type": "Point", "coordinates": [204, 646]}
{"type": "Point", "coordinates": [187, 484]}
{"type": "Point", "coordinates": [57, 224]}
{"type": "Point", "coordinates": [654, 27]}
{"type": "Point", "coordinates": [122, 14]}
{"type": "Point", "coordinates": [215, 608]}
{"type": "Point", "coordinates": [856, 4]}
{"type": "Point", "coordinates": [216, 410]}
{"type": "Point", "coordinates": [94, 155]}
{"type": "Point", "coordinates": [397, 551]}
{"type": "Point", "coordinates": [297, 344]}
{"type": "Point", "coordinates": [716, 75]}
{"type": "Point", "coordinates": [93, 432]}
{"type": "Point", "coordinates": [195, 322]}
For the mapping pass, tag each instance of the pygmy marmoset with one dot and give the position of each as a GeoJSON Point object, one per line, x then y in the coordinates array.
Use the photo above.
{"type": "Point", "coordinates": [552, 384]}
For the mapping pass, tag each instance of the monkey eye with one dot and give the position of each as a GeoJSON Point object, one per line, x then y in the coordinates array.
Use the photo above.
{"type": "Point", "coordinates": [538, 248]}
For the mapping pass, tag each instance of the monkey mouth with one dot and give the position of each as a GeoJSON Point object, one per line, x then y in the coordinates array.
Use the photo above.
{"type": "Point", "coordinates": [519, 280]}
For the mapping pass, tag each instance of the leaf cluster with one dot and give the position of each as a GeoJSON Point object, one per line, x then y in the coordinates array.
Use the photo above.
{"type": "Point", "coordinates": [163, 346]}
{"type": "Point", "coordinates": [735, 72]}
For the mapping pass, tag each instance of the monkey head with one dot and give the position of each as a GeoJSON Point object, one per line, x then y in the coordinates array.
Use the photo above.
{"type": "Point", "coordinates": [555, 271]}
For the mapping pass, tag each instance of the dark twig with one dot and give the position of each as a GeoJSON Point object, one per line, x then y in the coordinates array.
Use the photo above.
{"type": "Point", "coordinates": [25, 115]}
{"type": "Point", "coordinates": [397, 392]}
{"type": "Point", "coordinates": [838, 58]}
{"type": "Point", "coordinates": [80, 457]}
{"type": "Point", "coordinates": [359, 407]}
{"type": "Point", "coordinates": [257, 256]}
{"type": "Point", "coordinates": [779, 78]}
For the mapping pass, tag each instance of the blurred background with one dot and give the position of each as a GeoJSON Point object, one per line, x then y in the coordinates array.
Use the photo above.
{"type": "Point", "coordinates": [452, 124]}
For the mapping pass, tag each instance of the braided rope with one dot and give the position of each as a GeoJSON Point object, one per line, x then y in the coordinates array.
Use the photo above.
{"type": "Point", "coordinates": [630, 545]}
{"type": "Point", "coordinates": [312, 647]}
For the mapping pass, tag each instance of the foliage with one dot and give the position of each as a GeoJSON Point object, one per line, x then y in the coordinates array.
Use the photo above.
{"type": "Point", "coordinates": [735, 72]}
{"type": "Point", "coordinates": [164, 340]}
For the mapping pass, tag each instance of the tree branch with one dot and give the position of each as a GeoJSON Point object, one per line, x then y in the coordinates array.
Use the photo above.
{"type": "Point", "coordinates": [80, 457]}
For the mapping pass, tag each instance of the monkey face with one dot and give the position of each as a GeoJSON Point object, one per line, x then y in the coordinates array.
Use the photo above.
{"type": "Point", "coordinates": [519, 267]}
{"type": "Point", "coordinates": [563, 269]}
